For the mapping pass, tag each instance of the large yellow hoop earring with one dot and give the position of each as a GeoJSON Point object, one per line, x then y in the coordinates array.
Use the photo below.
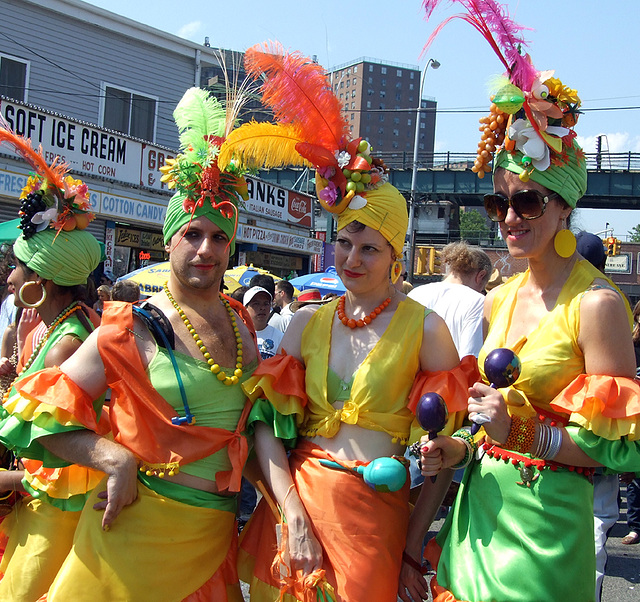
{"type": "Point", "coordinates": [396, 270]}
{"type": "Point", "coordinates": [38, 303]}
{"type": "Point", "coordinates": [565, 243]}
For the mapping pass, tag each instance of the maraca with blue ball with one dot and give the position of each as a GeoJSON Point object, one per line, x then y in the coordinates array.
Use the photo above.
{"type": "Point", "coordinates": [382, 474]}
{"type": "Point", "coordinates": [502, 368]}
{"type": "Point", "coordinates": [432, 415]}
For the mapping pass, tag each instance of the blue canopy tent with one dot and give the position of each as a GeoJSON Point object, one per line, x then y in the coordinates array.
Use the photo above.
{"type": "Point", "coordinates": [325, 282]}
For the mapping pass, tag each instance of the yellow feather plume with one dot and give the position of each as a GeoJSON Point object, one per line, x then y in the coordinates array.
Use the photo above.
{"type": "Point", "coordinates": [255, 145]}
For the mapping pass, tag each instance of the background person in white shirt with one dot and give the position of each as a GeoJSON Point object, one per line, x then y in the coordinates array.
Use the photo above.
{"type": "Point", "coordinates": [257, 300]}
{"type": "Point", "coordinates": [283, 299]}
{"type": "Point", "coordinates": [458, 299]}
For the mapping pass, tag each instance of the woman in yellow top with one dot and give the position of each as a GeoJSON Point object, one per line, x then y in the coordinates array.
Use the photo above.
{"type": "Point", "coordinates": [348, 375]}
{"type": "Point", "coordinates": [521, 528]}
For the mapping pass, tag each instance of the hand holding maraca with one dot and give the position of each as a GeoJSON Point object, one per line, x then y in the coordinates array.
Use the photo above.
{"type": "Point", "coordinates": [502, 368]}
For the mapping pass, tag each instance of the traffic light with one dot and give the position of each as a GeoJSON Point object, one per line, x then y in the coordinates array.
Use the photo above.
{"type": "Point", "coordinates": [434, 261]}
{"type": "Point", "coordinates": [616, 246]}
{"type": "Point", "coordinates": [611, 245]}
{"type": "Point", "coordinates": [422, 266]}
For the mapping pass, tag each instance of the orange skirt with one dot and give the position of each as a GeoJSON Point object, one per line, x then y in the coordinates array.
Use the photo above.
{"type": "Point", "coordinates": [362, 532]}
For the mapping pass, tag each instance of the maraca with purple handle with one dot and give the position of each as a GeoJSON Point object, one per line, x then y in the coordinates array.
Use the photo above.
{"type": "Point", "coordinates": [432, 414]}
{"type": "Point", "coordinates": [502, 368]}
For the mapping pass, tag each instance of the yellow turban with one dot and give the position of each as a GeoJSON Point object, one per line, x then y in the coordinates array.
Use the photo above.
{"type": "Point", "coordinates": [385, 211]}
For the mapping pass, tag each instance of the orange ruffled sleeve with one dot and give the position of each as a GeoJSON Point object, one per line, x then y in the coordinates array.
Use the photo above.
{"type": "Point", "coordinates": [453, 386]}
{"type": "Point", "coordinates": [608, 406]}
{"type": "Point", "coordinates": [281, 380]}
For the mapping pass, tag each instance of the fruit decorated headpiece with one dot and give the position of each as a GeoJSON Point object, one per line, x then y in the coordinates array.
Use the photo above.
{"type": "Point", "coordinates": [54, 211]}
{"type": "Point", "coordinates": [202, 187]}
{"type": "Point", "coordinates": [532, 112]}
{"type": "Point", "coordinates": [311, 130]}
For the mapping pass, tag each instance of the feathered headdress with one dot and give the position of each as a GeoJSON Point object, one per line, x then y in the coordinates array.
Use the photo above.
{"type": "Point", "coordinates": [310, 129]}
{"type": "Point", "coordinates": [194, 173]}
{"type": "Point", "coordinates": [531, 111]}
{"type": "Point", "coordinates": [51, 197]}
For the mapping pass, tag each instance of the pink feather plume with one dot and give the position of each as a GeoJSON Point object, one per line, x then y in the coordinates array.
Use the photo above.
{"type": "Point", "coordinates": [504, 35]}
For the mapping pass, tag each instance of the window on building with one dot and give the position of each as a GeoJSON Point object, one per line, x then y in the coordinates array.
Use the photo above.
{"type": "Point", "coordinates": [411, 98]}
{"type": "Point", "coordinates": [411, 74]}
{"type": "Point", "coordinates": [422, 125]}
{"type": "Point", "coordinates": [395, 145]}
{"type": "Point", "coordinates": [367, 129]}
{"type": "Point", "coordinates": [380, 143]}
{"type": "Point", "coordinates": [409, 122]}
{"type": "Point", "coordinates": [370, 68]}
{"type": "Point", "coordinates": [408, 146]}
{"type": "Point", "coordinates": [353, 93]}
{"type": "Point", "coordinates": [130, 113]}
{"type": "Point", "coordinates": [410, 86]}
{"type": "Point", "coordinates": [382, 106]}
{"type": "Point", "coordinates": [369, 92]}
{"type": "Point", "coordinates": [341, 95]}
{"type": "Point", "coordinates": [351, 128]}
{"type": "Point", "coordinates": [396, 120]}
{"type": "Point", "coordinates": [348, 83]}
{"type": "Point", "coordinates": [346, 107]}
{"type": "Point", "coordinates": [370, 80]}
{"type": "Point", "coordinates": [380, 130]}
{"type": "Point", "coordinates": [396, 132]}
{"type": "Point", "coordinates": [398, 95]}
{"type": "Point", "coordinates": [383, 70]}
{"type": "Point", "coordinates": [13, 77]}
{"type": "Point", "coordinates": [355, 69]}
{"type": "Point", "coordinates": [353, 116]}
{"type": "Point", "coordinates": [381, 118]}
{"type": "Point", "coordinates": [398, 85]}
{"type": "Point", "coordinates": [399, 72]}
{"type": "Point", "coordinates": [353, 105]}
{"type": "Point", "coordinates": [342, 84]}
{"type": "Point", "coordinates": [382, 93]}
{"type": "Point", "coordinates": [354, 81]}
{"type": "Point", "coordinates": [383, 82]}
{"type": "Point", "coordinates": [421, 146]}
{"type": "Point", "coordinates": [368, 104]}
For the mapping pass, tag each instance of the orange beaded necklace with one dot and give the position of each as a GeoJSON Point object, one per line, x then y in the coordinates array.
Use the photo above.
{"type": "Point", "coordinates": [351, 323]}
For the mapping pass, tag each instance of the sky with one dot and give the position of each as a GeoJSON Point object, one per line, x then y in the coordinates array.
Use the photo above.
{"type": "Point", "coordinates": [592, 45]}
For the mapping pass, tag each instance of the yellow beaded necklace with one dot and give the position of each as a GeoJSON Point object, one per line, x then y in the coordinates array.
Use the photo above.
{"type": "Point", "coordinates": [62, 316]}
{"type": "Point", "coordinates": [213, 366]}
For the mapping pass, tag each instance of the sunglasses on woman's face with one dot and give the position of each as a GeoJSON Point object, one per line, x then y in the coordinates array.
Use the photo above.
{"type": "Point", "coordinates": [527, 204]}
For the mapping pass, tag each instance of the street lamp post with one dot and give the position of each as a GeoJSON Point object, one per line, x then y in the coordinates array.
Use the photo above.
{"type": "Point", "coordinates": [434, 64]}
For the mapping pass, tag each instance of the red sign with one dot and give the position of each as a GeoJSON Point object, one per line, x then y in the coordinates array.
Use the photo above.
{"type": "Point", "coordinates": [144, 255]}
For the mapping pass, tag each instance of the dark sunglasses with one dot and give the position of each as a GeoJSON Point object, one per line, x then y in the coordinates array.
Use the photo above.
{"type": "Point", "coordinates": [528, 204]}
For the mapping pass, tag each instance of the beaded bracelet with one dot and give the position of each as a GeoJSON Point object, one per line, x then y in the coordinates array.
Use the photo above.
{"type": "Point", "coordinates": [521, 435]}
{"type": "Point", "coordinates": [472, 447]}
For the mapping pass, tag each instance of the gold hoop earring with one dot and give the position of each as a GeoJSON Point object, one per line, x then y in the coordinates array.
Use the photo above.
{"type": "Point", "coordinates": [38, 303]}
{"type": "Point", "coordinates": [396, 270]}
{"type": "Point", "coordinates": [565, 243]}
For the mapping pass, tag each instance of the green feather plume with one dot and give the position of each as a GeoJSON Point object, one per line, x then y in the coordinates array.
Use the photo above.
{"type": "Point", "coordinates": [198, 115]}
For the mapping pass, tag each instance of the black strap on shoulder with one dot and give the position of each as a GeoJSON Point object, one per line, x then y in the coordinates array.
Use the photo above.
{"type": "Point", "coordinates": [157, 323]}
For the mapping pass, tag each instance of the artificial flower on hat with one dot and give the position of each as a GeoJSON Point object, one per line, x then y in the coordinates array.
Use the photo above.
{"type": "Point", "coordinates": [532, 112]}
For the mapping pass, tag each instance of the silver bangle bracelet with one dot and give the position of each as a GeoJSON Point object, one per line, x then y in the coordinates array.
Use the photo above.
{"type": "Point", "coordinates": [549, 442]}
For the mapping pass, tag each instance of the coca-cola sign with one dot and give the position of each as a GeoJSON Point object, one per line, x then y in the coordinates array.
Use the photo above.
{"type": "Point", "coordinates": [300, 207]}
{"type": "Point", "coordinates": [275, 202]}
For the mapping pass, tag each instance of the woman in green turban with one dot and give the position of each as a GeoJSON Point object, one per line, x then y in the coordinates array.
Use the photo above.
{"type": "Point", "coordinates": [54, 259]}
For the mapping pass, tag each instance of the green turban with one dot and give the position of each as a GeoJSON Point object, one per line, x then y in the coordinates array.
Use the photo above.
{"type": "Point", "coordinates": [67, 261]}
{"type": "Point", "coordinates": [568, 180]}
{"type": "Point", "coordinates": [177, 217]}
{"type": "Point", "coordinates": [385, 211]}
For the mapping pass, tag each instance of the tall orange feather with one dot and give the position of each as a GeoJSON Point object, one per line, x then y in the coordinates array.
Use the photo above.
{"type": "Point", "coordinates": [298, 92]}
{"type": "Point", "coordinates": [53, 173]}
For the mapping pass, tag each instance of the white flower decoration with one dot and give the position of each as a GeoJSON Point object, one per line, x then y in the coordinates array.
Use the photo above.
{"type": "Point", "coordinates": [343, 158]}
{"type": "Point", "coordinates": [529, 142]}
{"type": "Point", "coordinates": [43, 218]}
{"type": "Point", "coordinates": [358, 202]}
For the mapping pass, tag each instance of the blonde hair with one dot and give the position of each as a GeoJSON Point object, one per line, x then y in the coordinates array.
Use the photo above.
{"type": "Point", "coordinates": [462, 258]}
